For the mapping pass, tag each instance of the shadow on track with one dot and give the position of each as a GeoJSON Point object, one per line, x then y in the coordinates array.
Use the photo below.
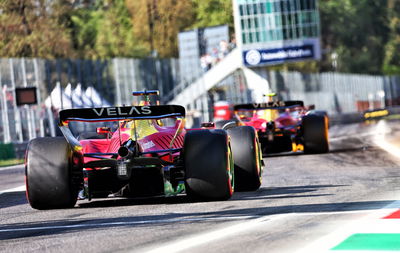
{"type": "Point", "coordinates": [44, 228]}
{"type": "Point", "coordinates": [332, 150]}
{"type": "Point", "coordinates": [10, 199]}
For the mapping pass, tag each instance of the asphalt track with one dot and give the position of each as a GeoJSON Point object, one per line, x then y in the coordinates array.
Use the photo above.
{"type": "Point", "coordinates": [307, 203]}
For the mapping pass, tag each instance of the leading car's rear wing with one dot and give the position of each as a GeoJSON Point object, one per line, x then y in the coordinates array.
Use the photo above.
{"type": "Point", "coordinates": [104, 114]}
{"type": "Point", "coordinates": [121, 113]}
{"type": "Point", "coordinates": [269, 105]}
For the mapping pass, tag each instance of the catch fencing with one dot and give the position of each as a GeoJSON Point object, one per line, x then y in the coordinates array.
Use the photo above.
{"type": "Point", "coordinates": [61, 82]}
{"type": "Point", "coordinates": [336, 93]}
{"type": "Point", "coordinates": [114, 80]}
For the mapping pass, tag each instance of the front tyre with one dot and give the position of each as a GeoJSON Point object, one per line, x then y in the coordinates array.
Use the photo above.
{"type": "Point", "coordinates": [51, 179]}
{"type": "Point", "coordinates": [208, 165]}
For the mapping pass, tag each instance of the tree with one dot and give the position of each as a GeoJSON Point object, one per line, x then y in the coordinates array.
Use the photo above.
{"type": "Point", "coordinates": [157, 23]}
{"type": "Point", "coordinates": [392, 50]}
{"type": "Point", "coordinates": [213, 12]}
{"type": "Point", "coordinates": [357, 31]}
{"type": "Point", "coordinates": [85, 23]}
{"type": "Point", "coordinates": [115, 37]}
{"type": "Point", "coordinates": [32, 28]}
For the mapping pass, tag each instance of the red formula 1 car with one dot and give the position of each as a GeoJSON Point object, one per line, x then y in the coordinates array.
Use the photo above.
{"type": "Point", "coordinates": [284, 126]}
{"type": "Point", "coordinates": [139, 151]}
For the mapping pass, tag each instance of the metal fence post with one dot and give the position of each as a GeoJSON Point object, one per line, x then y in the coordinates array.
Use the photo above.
{"type": "Point", "coordinates": [28, 109]}
{"type": "Point", "coordinates": [39, 97]}
{"type": "Point", "coordinates": [18, 123]}
{"type": "Point", "coordinates": [6, 123]}
{"type": "Point", "coordinates": [117, 82]}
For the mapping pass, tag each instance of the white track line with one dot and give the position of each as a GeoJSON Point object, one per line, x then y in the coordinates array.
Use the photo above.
{"type": "Point", "coordinates": [12, 167]}
{"type": "Point", "coordinates": [246, 225]}
{"type": "Point", "coordinates": [21, 188]}
{"type": "Point", "coordinates": [323, 244]}
{"type": "Point", "coordinates": [121, 223]}
{"type": "Point", "coordinates": [208, 236]}
{"type": "Point", "coordinates": [372, 223]}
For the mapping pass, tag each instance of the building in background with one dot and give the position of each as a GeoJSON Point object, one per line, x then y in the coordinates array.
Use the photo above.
{"type": "Point", "coordinates": [277, 31]}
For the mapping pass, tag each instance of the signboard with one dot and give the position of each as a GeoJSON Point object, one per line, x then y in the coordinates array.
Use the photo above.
{"type": "Point", "coordinates": [277, 31]}
{"type": "Point", "coordinates": [26, 96]}
{"type": "Point", "coordinates": [256, 57]}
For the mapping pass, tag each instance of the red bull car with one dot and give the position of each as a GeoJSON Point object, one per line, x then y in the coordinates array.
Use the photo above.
{"type": "Point", "coordinates": [284, 126]}
{"type": "Point", "coordinates": [139, 151]}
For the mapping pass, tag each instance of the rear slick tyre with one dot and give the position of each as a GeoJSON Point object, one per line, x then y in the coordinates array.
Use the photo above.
{"type": "Point", "coordinates": [315, 134]}
{"type": "Point", "coordinates": [247, 158]}
{"type": "Point", "coordinates": [51, 181]}
{"type": "Point", "coordinates": [208, 165]}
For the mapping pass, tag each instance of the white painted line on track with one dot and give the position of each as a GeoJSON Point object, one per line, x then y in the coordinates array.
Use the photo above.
{"type": "Point", "coordinates": [12, 167]}
{"type": "Point", "coordinates": [208, 236]}
{"type": "Point", "coordinates": [372, 223]}
{"type": "Point", "coordinates": [224, 218]}
{"type": "Point", "coordinates": [122, 223]}
{"type": "Point", "coordinates": [323, 244]}
{"type": "Point", "coordinates": [21, 188]}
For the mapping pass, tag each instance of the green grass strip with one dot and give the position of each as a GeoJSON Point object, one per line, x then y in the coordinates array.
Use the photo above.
{"type": "Point", "coordinates": [10, 162]}
{"type": "Point", "coordinates": [382, 242]}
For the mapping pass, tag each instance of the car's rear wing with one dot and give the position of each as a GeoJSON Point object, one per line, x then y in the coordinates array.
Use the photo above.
{"type": "Point", "coordinates": [121, 113]}
{"type": "Point", "coordinates": [269, 105]}
{"type": "Point", "coordinates": [104, 114]}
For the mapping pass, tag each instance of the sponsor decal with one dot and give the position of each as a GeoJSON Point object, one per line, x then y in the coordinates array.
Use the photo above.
{"type": "Point", "coordinates": [264, 56]}
{"type": "Point", "coordinates": [148, 145]}
{"type": "Point", "coordinates": [253, 57]}
{"type": "Point", "coordinates": [119, 111]}
{"type": "Point", "coordinates": [270, 104]}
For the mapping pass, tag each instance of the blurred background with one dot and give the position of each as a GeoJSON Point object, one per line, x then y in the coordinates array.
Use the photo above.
{"type": "Point", "coordinates": [342, 56]}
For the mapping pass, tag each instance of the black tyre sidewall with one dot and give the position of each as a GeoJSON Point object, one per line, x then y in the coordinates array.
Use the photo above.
{"type": "Point", "coordinates": [245, 149]}
{"type": "Point", "coordinates": [315, 133]}
{"type": "Point", "coordinates": [48, 174]}
{"type": "Point", "coordinates": [206, 160]}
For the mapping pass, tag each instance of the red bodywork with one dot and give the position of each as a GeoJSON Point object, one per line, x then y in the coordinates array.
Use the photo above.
{"type": "Point", "coordinates": [159, 140]}
{"type": "Point", "coordinates": [278, 123]}
{"type": "Point", "coordinates": [285, 121]}
{"type": "Point", "coordinates": [222, 111]}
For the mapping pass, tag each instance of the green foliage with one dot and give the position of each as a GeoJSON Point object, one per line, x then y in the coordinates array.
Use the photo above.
{"type": "Point", "coordinates": [213, 12]}
{"type": "Point", "coordinates": [356, 30]}
{"type": "Point", "coordinates": [85, 24]}
{"type": "Point", "coordinates": [115, 36]}
{"type": "Point", "coordinates": [363, 34]}
{"type": "Point", "coordinates": [391, 64]}
{"type": "Point", "coordinates": [31, 28]}
{"type": "Point", "coordinates": [158, 22]}
{"type": "Point", "coordinates": [6, 151]}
